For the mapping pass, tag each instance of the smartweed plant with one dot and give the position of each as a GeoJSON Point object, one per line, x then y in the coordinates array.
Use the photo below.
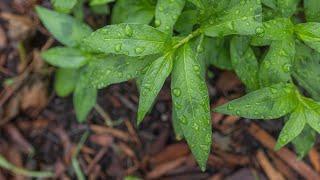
{"type": "Point", "coordinates": [272, 45]}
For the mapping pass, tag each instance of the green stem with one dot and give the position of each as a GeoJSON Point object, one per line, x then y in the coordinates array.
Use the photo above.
{"type": "Point", "coordinates": [188, 38]}
{"type": "Point", "coordinates": [17, 170]}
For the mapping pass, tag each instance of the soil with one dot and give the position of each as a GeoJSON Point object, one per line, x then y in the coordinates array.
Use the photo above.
{"type": "Point", "coordinates": [39, 131]}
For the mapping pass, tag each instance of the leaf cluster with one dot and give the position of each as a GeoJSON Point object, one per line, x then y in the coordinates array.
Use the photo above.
{"type": "Point", "coordinates": [272, 45]}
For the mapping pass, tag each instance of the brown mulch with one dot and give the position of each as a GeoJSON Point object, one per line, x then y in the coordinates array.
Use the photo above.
{"type": "Point", "coordinates": [38, 130]}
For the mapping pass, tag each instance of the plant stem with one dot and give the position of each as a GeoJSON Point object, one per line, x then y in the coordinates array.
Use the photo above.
{"type": "Point", "coordinates": [188, 38]}
{"type": "Point", "coordinates": [17, 170]}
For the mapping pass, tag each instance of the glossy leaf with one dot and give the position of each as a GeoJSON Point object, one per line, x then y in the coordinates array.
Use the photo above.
{"type": "Point", "coordinates": [152, 83]}
{"type": "Point", "coordinates": [306, 70]}
{"type": "Point", "coordinates": [270, 3]}
{"type": "Point", "coordinates": [276, 66]}
{"type": "Point", "coordinates": [244, 19]}
{"type": "Point", "coordinates": [312, 10]}
{"type": "Point", "coordinates": [133, 11]}
{"type": "Point", "coordinates": [305, 141]}
{"type": "Point", "coordinates": [63, 5]}
{"type": "Point", "coordinates": [274, 30]}
{"type": "Point", "coordinates": [287, 7]}
{"type": "Point", "coordinates": [100, 2]}
{"type": "Point", "coordinates": [191, 103]}
{"type": "Point", "coordinates": [127, 39]}
{"type": "Point", "coordinates": [84, 98]}
{"type": "Point", "coordinates": [186, 21]}
{"type": "Point", "coordinates": [65, 81]}
{"type": "Point", "coordinates": [266, 103]}
{"type": "Point", "coordinates": [65, 57]}
{"type": "Point", "coordinates": [64, 28]}
{"type": "Point", "coordinates": [167, 13]}
{"type": "Point", "coordinates": [312, 113]}
{"type": "Point", "coordinates": [221, 53]}
{"type": "Point", "coordinates": [244, 62]}
{"type": "Point", "coordinates": [105, 71]}
{"type": "Point", "coordinates": [293, 127]}
{"type": "Point", "coordinates": [309, 33]}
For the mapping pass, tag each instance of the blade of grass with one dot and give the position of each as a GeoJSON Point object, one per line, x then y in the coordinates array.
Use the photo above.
{"type": "Point", "coordinates": [75, 163]}
{"type": "Point", "coordinates": [17, 170]}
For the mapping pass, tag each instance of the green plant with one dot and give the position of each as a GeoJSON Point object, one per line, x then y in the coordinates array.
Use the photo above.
{"type": "Point", "coordinates": [272, 45]}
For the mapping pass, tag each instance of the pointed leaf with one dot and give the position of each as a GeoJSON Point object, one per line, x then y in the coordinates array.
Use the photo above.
{"type": "Point", "coordinates": [287, 7]}
{"type": "Point", "coordinates": [65, 57]}
{"type": "Point", "coordinates": [273, 30]}
{"type": "Point", "coordinates": [140, 11]}
{"type": "Point", "coordinates": [312, 113]}
{"type": "Point", "coordinates": [127, 39]}
{"type": "Point", "coordinates": [305, 141]}
{"type": "Point", "coordinates": [276, 66]}
{"type": "Point", "coordinates": [112, 69]}
{"type": "Point", "coordinates": [191, 103]}
{"type": "Point", "coordinates": [309, 33]}
{"type": "Point", "coordinates": [306, 70]}
{"type": "Point", "coordinates": [84, 98]}
{"type": "Point", "coordinates": [266, 103]}
{"type": "Point", "coordinates": [244, 62]}
{"type": "Point", "coordinates": [152, 83]}
{"type": "Point", "coordinates": [244, 19]}
{"type": "Point", "coordinates": [167, 13]}
{"type": "Point", "coordinates": [312, 10]}
{"type": "Point", "coordinates": [63, 5]}
{"type": "Point", "coordinates": [292, 128]}
{"type": "Point", "coordinates": [64, 28]}
{"type": "Point", "coordinates": [65, 81]}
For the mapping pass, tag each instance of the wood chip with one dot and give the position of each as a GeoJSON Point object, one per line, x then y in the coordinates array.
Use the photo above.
{"type": "Point", "coordinates": [266, 165]}
{"type": "Point", "coordinates": [285, 154]}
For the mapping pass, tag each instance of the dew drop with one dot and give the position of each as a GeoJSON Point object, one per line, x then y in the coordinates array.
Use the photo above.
{"type": "Point", "coordinates": [183, 120]}
{"type": "Point", "coordinates": [157, 23]}
{"type": "Point", "coordinates": [128, 31]}
{"type": "Point", "coordinates": [139, 50]}
{"type": "Point", "coordinates": [118, 48]}
{"type": "Point", "coordinates": [176, 92]}
{"type": "Point", "coordinates": [286, 68]}
{"type": "Point", "coordinates": [229, 107]}
{"type": "Point", "coordinates": [260, 31]}
{"type": "Point", "coordinates": [196, 68]}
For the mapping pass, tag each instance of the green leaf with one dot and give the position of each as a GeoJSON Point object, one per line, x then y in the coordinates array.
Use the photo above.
{"type": "Point", "coordinates": [244, 62]}
{"type": "Point", "coordinates": [63, 5]}
{"type": "Point", "coordinates": [312, 113]}
{"type": "Point", "coordinates": [276, 66]}
{"type": "Point", "coordinates": [167, 13]}
{"type": "Point", "coordinates": [186, 21]}
{"type": "Point", "coordinates": [152, 83]}
{"type": "Point", "coordinates": [306, 70]}
{"type": "Point", "coordinates": [132, 11]}
{"type": "Point", "coordinates": [65, 57]}
{"type": "Point", "coordinates": [274, 30]}
{"type": "Point", "coordinates": [112, 69]}
{"type": "Point", "coordinates": [292, 128]}
{"type": "Point", "coordinates": [266, 103]}
{"type": "Point", "coordinates": [65, 81]}
{"type": "Point", "coordinates": [270, 3]}
{"type": "Point", "coordinates": [244, 18]}
{"type": "Point", "coordinates": [305, 141]}
{"type": "Point", "coordinates": [99, 2]}
{"type": "Point", "coordinates": [176, 125]}
{"type": "Point", "coordinates": [312, 10]}
{"type": "Point", "coordinates": [191, 103]}
{"type": "Point", "coordinates": [287, 7]}
{"type": "Point", "coordinates": [220, 50]}
{"type": "Point", "coordinates": [309, 33]}
{"type": "Point", "coordinates": [64, 28]}
{"type": "Point", "coordinates": [84, 98]}
{"type": "Point", "coordinates": [127, 39]}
